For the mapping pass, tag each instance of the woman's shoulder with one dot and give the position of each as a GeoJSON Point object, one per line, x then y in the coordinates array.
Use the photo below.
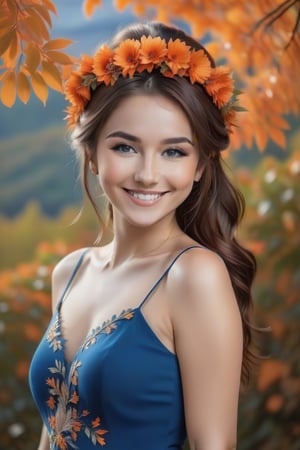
{"type": "Point", "coordinates": [200, 286]}
{"type": "Point", "coordinates": [63, 270]}
{"type": "Point", "coordinates": [197, 264]}
{"type": "Point", "coordinates": [67, 264]}
{"type": "Point", "coordinates": [198, 273]}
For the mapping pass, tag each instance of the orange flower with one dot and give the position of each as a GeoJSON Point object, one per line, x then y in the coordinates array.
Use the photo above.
{"type": "Point", "coordinates": [220, 86]}
{"type": "Point", "coordinates": [152, 52]}
{"type": "Point", "coordinates": [127, 56]}
{"type": "Point", "coordinates": [178, 56]}
{"type": "Point", "coordinates": [51, 402]}
{"type": "Point", "coordinates": [103, 67]}
{"type": "Point", "coordinates": [86, 65]}
{"type": "Point", "coordinates": [200, 67]}
{"type": "Point", "coordinates": [73, 114]}
{"type": "Point", "coordinates": [75, 92]}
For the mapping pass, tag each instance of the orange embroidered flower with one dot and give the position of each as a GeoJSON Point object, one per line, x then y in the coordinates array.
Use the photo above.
{"type": "Point", "coordinates": [103, 67]}
{"type": "Point", "coordinates": [178, 56]}
{"type": "Point", "coordinates": [127, 56]}
{"type": "Point", "coordinates": [200, 67]}
{"type": "Point", "coordinates": [220, 86]}
{"type": "Point", "coordinates": [51, 402]}
{"type": "Point", "coordinates": [152, 53]}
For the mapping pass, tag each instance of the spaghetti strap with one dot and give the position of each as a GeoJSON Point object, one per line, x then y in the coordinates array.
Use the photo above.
{"type": "Point", "coordinates": [73, 274]}
{"type": "Point", "coordinates": [166, 271]}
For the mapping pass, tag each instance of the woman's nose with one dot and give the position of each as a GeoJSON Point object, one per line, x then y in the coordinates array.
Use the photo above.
{"type": "Point", "coordinates": [147, 172]}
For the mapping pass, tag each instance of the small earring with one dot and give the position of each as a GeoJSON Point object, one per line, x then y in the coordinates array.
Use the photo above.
{"type": "Point", "coordinates": [93, 167]}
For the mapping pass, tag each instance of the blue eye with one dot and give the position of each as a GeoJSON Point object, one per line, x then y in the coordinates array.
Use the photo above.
{"type": "Point", "coordinates": [123, 148]}
{"type": "Point", "coordinates": [174, 153]}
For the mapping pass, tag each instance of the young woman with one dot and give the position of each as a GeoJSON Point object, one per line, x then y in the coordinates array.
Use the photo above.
{"type": "Point", "coordinates": [150, 334]}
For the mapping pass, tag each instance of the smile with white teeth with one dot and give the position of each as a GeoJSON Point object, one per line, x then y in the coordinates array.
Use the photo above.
{"type": "Point", "coordinates": [145, 197]}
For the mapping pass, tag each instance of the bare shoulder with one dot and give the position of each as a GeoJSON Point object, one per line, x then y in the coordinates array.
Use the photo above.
{"type": "Point", "coordinates": [198, 268]}
{"type": "Point", "coordinates": [200, 280]}
{"type": "Point", "coordinates": [62, 273]}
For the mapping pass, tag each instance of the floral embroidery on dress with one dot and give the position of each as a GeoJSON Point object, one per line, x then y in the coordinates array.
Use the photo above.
{"type": "Point", "coordinates": [107, 327]}
{"type": "Point", "coordinates": [65, 418]}
{"type": "Point", "coordinates": [54, 335]}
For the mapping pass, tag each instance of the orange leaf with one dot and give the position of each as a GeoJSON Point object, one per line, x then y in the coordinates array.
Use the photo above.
{"type": "Point", "coordinates": [44, 13]}
{"type": "Point", "coordinates": [33, 57]}
{"type": "Point", "coordinates": [51, 75]}
{"type": "Point", "coordinates": [261, 137]}
{"type": "Point", "coordinates": [59, 57]}
{"type": "Point", "coordinates": [33, 28]}
{"type": "Point", "coordinates": [274, 403]}
{"type": "Point", "coordinates": [278, 136]}
{"type": "Point", "coordinates": [9, 90]}
{"type": "Point", "coordinates": [39, 25]}
{"type": "Point", "coordinates": [6, 25]}
{"type": "Point", "coordinates": [55, 44]}
{"type": "Point", "coordinates": [270, 371]}
{"type": "Point", "coordinates": [12, 51]}
{"type": "Point", "coordinates": [89, 7]}
{"type": "Point", "coordinates": [39, 87]}
{"type": "Point", "coordinates": [50, 5]}
{"type": "Point", "coordinates": [23, 87]}
{"type": "Point", "coordinates": [122, 4]}
{"type": "Point", "coordinates": [5, 41]}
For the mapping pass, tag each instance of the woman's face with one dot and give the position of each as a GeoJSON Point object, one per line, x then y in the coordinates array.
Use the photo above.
{"type": "Point", "coordinates": [147, 160]}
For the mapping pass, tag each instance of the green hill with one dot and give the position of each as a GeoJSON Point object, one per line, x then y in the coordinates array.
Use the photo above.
{"type": "Point", "coordinates": [38, 167]}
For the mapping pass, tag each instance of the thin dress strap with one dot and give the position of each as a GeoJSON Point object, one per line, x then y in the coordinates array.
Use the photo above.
{"type": "Point", "coordinates": [166, 271]}
{"type": "Point", "coordinates": [73, 274]}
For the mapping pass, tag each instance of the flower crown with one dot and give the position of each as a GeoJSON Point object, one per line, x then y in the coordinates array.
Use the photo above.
{"type": "Point", "coordinates": [149, 53]}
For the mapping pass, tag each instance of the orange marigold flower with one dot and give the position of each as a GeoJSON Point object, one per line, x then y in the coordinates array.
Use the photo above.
{"type": "Point", "coordinates": [220, 86]}
{"type": "Point", "coordinates": [200, 67]}
{"type": "Point", "coordinates": [86, 64]}
{"type": "Point", "coordinates": [73, 114]}
{"type": "Point", "coordinates": [127, 56]}
{"type": "Point", "coordinates": [152, 52]}
{"type": "Point", "coordinates": [75, 92]}
{"type": "Point", "coordinates": [103, 67]}
{"type": "Point", "coordinates": [178, 56]}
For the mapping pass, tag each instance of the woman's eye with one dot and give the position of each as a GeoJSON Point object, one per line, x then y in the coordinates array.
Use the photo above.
{"type": "Point", "coordinates": [124, 148]}
{"type": "Point", "coordinates": [174, 153]}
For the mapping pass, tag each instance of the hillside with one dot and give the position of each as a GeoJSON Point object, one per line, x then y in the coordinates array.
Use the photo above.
{"type": "Point", "coordinates": [37, 166]}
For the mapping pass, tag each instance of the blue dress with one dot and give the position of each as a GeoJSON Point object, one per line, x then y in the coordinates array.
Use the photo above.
{"type": "Point", "coordinates": [121, 391]}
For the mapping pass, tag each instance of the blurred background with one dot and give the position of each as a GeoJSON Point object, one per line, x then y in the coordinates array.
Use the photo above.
{"type": "Point", "coordinates": [40, 196]}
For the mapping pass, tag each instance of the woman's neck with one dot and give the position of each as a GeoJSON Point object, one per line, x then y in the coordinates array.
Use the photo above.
{"type": "Point", "coordinates": [132, 242]}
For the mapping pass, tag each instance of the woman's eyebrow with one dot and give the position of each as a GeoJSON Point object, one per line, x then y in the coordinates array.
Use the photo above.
{"type": "Point", "coordinates": [131, 137]}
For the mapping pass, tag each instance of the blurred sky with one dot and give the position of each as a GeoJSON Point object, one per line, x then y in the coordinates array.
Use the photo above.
{"type": "Point", "coordinates": [88, 33]}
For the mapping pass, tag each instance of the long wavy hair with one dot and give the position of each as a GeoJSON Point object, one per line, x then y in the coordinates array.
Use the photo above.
{"type": "Point", "coordinates": [212, 212]}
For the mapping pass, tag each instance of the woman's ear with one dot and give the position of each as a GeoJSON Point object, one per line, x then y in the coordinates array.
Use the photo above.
{"type": "Point", "coordinates": [90, 157]}
{"type": "Point", "coordinates": [198, 174]}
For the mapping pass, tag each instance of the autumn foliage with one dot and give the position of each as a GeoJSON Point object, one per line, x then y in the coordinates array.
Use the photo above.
{"type": "Point", "coordinates": [258, 39]}
{"type": "Point", "coordinates": [31, 61]}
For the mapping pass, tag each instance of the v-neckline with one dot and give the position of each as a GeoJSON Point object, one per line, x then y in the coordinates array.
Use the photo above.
{"type": "Point", "coordinates": [107, 324]}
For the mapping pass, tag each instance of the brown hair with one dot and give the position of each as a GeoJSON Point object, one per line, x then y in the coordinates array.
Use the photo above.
{"type": "Point", "coordinates": [214, 208]}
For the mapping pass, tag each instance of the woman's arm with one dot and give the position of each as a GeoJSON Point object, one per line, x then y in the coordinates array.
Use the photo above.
{"type": "Point", "coordinates": [44, 441]}
{"type": "Point", "coordinates": [209, 346]}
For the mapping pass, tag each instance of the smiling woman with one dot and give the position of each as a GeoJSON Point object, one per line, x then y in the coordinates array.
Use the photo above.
{"type": "Point", "coordinates": [150, 333]}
